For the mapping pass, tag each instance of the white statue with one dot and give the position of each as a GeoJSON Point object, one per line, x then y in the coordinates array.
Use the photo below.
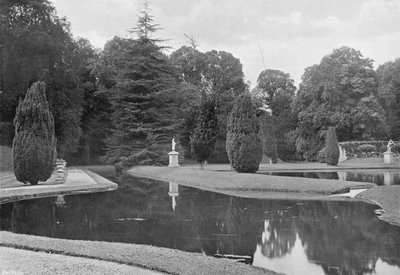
{"type": "Point", "coordinates": [390, 145]}
{"type": "Point", "coordinates": [173, 144]}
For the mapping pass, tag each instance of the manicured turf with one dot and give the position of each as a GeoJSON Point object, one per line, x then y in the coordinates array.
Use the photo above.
{"type": "Point", "coordinates": [230, 180]}
{"type": "Point", "coordinates": [155, 258]}
{"type": "Point", "coordinates": [388, 197]}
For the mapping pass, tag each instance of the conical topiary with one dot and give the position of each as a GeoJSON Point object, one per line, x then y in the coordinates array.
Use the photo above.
{"type": "Point", "coordinates": [243, 143]}
{"type": "Point", "coordinates": [34, 144]}
{"type": "Point", "coordinates": [331, 147]}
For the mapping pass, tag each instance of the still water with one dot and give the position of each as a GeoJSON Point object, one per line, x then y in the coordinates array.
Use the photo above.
{"type": "Point", "coordinates": [293, 237]}
{"type": "Point", "coordinates": [380, 177]}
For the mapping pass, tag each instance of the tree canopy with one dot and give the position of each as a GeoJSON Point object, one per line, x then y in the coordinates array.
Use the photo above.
{"type": "Point", "coordinates": [340, 91]}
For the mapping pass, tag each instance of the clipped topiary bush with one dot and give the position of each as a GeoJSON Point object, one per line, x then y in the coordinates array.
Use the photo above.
{"type": "Point", "coordinates": [34, 144]}
{"type": "Point", "coordinates": [366, 148]}
{"type": "Point", "coordinates": [331, 147]}
{"type": "Point", "coordinates": [243, 143]}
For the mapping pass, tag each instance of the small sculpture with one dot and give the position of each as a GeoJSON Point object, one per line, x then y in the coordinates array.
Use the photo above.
{"type": "Point", "coordinates": [173, 144]}
{"type": "Point", "coordinates": [390, 145]}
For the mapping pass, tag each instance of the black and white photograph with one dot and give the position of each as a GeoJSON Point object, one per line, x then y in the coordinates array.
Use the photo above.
{"type": "Point", "coordinates": [225, 137]}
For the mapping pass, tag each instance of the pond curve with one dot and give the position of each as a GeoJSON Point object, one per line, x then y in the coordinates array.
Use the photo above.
{"type": "Point", "coordinates": [314, 237]}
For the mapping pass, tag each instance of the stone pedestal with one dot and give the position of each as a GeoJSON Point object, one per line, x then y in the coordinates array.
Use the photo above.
{"type": "Point", "coordinates": [388, 178]}
{"type": "Point", "coordinates": [388, 157]}
{"type": "Point", "coordinates": [173, 159]}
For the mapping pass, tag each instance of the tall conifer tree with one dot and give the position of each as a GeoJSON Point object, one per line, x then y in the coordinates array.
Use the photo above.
{"type": "Point", "coordinates": [34, 145]}
{"type": "Point", "coordinates": [243, 142]}
{"type": "Point", "coordinates": [331, 147]}
{"type": "Point", "coordinates": [143, 111]}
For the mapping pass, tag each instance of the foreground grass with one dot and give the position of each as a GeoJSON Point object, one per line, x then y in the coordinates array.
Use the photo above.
{"type": "Point", "coordinates": [154, 258]}
{"type": "Point", "coordinates": [43, 263]}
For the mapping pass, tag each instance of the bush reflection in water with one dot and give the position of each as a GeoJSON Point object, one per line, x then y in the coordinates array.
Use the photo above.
{"type": "Point", "coordinates": [341, 237]}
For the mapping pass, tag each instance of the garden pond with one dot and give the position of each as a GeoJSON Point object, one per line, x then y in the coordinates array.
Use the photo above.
{"type": "Point", "coordinates": [379, 177]}
{"type": "Point", "coordinates": [292, 237]}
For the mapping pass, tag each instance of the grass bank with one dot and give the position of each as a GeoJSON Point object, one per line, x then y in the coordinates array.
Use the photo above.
{"type": "Point", "coordinates": [164, 260]}
{"type": "Point", "coordinates": [386, 197]}
{"type": "Point", "coordinates": [231, 181]}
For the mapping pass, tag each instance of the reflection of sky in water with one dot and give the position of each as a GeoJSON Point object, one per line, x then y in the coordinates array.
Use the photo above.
{"type": "Point", "coordinates": [296, 262]}
{"type": "Point", "coordinates": [293, 262]}
{"type": "Point", "coordinates": [386, 177]}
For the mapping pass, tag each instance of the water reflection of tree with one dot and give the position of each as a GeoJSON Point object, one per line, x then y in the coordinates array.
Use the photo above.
{"type": "Point", "coordinates": [346, 238]}
{"type": "Point", "coordinates": [279, 235]}
{"type": "Point", "coordinates": [37, 218]}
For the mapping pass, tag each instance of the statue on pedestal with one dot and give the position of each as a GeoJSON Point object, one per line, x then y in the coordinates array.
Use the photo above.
{"type": "Point", "coordinates": [390, 145]}
{"type": "Point", "coordinates": [173, 144]}
{"type": "Point", "coordinates": [173, 156]}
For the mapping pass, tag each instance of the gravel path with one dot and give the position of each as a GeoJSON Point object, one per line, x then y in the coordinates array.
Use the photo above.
{"type": "Point", "coordinates": [17, 262]}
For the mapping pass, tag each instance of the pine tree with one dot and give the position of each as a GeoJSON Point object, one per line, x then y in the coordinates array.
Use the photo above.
{"type": "Point", "coordinates": [34, 145]}
{"type": "Point", "coordinates": [243, 143]}
{"type": "Point", "coordinates": [143, 111]}
{"type": "Point", "coordinates": [203, 137]}
{"type": "Point", "coordinates": [331, 147]}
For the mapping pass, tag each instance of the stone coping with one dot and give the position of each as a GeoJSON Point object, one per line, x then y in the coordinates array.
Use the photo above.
{"type": "Point", "coordinates": [77, 181]}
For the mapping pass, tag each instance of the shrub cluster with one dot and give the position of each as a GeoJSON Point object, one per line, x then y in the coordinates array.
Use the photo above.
{"type": "Point", "coordinates": [356, 149]}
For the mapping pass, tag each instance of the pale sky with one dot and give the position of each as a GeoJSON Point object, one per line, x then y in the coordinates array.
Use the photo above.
{"type": "Point", "coordinates": [290, 35]}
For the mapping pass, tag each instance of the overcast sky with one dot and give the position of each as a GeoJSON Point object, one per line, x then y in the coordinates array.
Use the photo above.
{"type": "Point", "coordinates": [289, 35]}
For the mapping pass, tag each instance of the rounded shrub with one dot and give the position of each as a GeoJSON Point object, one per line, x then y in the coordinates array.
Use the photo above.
{"type": "Point", "coordinates": [34, 144]}
{"type": "Point", "coordinates": [331, 147]}
{"type": "Point", "coordinates": [243, 143]}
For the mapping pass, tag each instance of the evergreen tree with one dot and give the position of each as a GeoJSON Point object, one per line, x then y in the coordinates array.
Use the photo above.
{"type": "Point", "coordinates": [203, 137]}
{"type": "Point", "coordinates": [331, 147]}
{"type": "Point", "coordinates": [143, 111]}
{"type": "Point", "coordinates": [34, 145]}
{"type": "Point", "coordinates": [268, 133]}
{"type": "Point", "coordinates": [243, 143]}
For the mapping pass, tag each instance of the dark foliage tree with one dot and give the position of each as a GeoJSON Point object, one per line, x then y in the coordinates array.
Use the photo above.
{"type": "Point", "coordinates": [95, 108]}
{"type": "Point", "coordinates": [243, 143]}
{"type": "Point", "coordinates": [216, 73]}
{"type": "Point", "coordinates": [34, 145]}
{"type": "Point", "coordinates": [270, 81]}
{"type": "Point", "coordinates": [389, 95]}
{"type": "Point", "coordinates": [36, 45]}
{"type": "Point", "coordinates": [340, 92]}
{"type": "Point", "coordinates": [203, 137]}
{"type": "Point", "coordinates": [275, 89]}
{"type": "Point", "coordinates": [331, 147]}
{"type": "Point", "coordinates": [143, 110]}
{"type": "Point", "coordinates": [268, 134]}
